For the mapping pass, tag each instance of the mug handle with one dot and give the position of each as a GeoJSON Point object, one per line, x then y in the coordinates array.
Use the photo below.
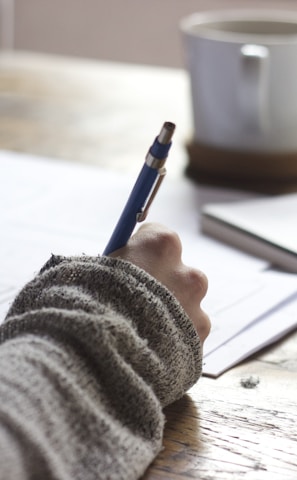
{"type": "Point", "coordinates": [254, 86]}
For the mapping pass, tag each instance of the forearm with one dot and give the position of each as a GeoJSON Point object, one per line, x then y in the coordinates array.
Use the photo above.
{"type": "Point", "coordinates": [85, 374]}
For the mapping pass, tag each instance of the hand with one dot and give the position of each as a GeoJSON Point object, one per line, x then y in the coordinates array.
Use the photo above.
{"type": "Point", "coordinates": [157, 250]}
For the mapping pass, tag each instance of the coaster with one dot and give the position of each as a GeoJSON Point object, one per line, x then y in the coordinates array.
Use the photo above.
{"type": "Point", "coordinates": [270, 173]}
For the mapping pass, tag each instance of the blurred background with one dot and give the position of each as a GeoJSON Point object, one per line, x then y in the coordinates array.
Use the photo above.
{"type": "Point", "coordinates": [134, 31]}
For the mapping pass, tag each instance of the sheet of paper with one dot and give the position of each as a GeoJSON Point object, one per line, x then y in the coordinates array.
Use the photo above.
{"type": "Point", "coordinates": [271, 328]}
{"type": "Point", "coordinates": [249, 300]}
{"type": "Point", "coordinates": [49, 206]}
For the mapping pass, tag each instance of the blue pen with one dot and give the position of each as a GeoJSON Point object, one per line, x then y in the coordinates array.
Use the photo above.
{"type": "Point", "coordinates": [144, 190]}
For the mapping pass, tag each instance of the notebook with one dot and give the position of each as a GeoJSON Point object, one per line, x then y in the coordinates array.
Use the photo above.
{"type": "Point", "coordinates": [265, 227]}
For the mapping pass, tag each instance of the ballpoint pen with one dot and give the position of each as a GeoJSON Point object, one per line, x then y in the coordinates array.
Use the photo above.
{"type": "Point", "coordinates": [144, 190]}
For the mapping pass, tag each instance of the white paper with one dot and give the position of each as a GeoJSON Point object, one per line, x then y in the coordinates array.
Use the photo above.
{"type": "Point", "coordinates": [271, 328]}
{"type": "Point", "coordinates": [251, 298]}
{"type": "Point", "coordinates": [49, 206]}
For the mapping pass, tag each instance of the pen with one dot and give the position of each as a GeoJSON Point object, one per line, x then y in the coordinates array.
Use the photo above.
{"type": "Point", "coordinates": [144, 190]}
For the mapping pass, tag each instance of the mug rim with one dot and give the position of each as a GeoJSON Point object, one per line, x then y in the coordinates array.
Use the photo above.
{"type": "Point", "coordinates": [203, 18]}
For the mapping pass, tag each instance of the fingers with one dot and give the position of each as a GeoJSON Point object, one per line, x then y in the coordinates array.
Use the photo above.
{"type": "Point", "coordinates": [191, 287]}
{"type": "Point", "coordinates": [158, 250]}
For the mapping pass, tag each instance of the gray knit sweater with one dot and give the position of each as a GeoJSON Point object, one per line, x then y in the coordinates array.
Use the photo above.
{"type": "Point", "coordinates": [91, 350]}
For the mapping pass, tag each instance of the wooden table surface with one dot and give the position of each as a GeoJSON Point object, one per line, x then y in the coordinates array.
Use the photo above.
{"type": "Point", "coordinates": [105, 114]}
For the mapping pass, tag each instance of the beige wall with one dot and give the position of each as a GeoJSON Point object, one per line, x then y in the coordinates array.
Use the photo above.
{"type": "Point", "coordinates": [142, 31]}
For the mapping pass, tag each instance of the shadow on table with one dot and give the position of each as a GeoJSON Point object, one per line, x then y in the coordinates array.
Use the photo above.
{"type": "Point", "coordinates": [181, 441]}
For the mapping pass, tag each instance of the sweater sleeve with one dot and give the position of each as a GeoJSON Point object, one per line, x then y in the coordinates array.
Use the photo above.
{"type": "Point", "coordinates": [91, 350]}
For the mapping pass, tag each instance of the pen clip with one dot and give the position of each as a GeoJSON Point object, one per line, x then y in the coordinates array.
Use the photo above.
{"type": "Point", "coordinates": [141, 216]}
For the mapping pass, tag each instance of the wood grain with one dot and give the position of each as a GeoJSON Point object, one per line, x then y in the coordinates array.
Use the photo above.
{"type": "Point", "coordinates": [222, 430]}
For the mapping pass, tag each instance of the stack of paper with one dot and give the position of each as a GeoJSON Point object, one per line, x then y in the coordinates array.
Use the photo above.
{"type": "Point", "coordinates": [262, 311]}
{"type": "Point", "coordinates": [49, 207]}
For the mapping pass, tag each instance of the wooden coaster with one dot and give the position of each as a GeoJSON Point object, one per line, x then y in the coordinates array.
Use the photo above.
{"type": "Point", "coordinates": [271, 173]}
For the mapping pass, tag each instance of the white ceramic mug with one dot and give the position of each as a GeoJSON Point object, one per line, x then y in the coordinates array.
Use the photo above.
{"type": "Point", "coordinates": [243, 70]}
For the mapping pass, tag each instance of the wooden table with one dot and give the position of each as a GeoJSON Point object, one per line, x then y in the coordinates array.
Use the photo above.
{"type": "Point", "coordinates": [105, 114]}
{"type": "Point", "coordinates": [99, 113]}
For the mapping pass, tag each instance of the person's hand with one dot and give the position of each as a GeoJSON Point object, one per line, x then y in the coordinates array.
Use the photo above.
{"type": "Point", "coordinates": [157, 250]}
